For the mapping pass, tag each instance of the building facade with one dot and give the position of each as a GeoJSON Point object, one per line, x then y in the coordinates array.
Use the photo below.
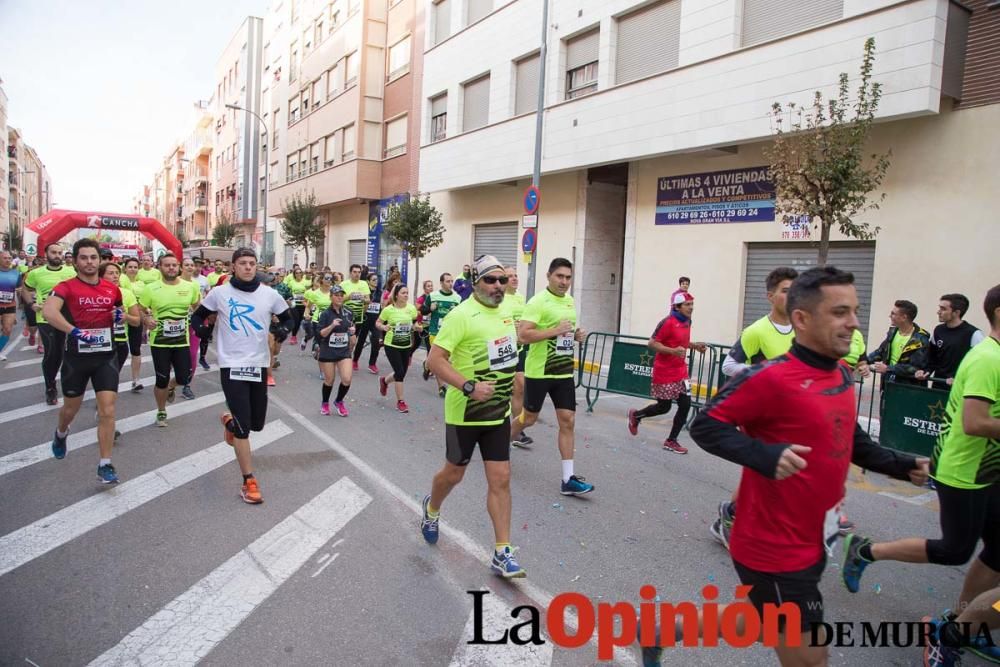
{"type": "Point", "coordinates": [645, 98]}
{"type": "Point", "coordinates": [29, 188]}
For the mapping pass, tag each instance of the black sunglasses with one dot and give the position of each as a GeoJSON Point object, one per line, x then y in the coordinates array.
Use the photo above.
{"type": "Point", "coordinates": [493, 280]}
{"type": "Point", "coordinates": [327, 277]}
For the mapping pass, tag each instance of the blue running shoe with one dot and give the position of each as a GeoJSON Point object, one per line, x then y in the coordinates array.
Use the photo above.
{"type": "Point", "coordinates": [576, 486]}
{"type": "Point", "coordinates": [935, 653]}
{"type": "Point", "coordinates": [429, 526]}
{"type": "Point", "coordinates": [106, 473]}
{"type": "Point", "coordinates": [981, 648]}
{"type": "Point", "coordinates": [854, 563]}
{"type": "Point", "coordinates": [506, 565]}
{"type": "Point", "coordinates": [58, 446]}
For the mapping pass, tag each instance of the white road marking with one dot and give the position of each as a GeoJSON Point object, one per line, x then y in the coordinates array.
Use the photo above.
{"type": "Point", "coordinates": [31, 410]}
{"type": "Point", "coordinates": [480, 553]}
{"type": "Point", "coordinates": [322, 559]}
{"type": "Point", "coordinates": [195, 622]}
{"type": "Point", "coordinates": [38, 360]}
{"type": "Point", "coordinates": [496, 619]}
{"type": "Point", "coordinates": [13, 343]}
{"type": "Point", "coordinates": [43, 452]}
{"type": "Point", "coordinates": [38, 379]}
{"type": "Point", "coordinates": [922, 499]}
{"type": "Point", "coordinates": [50, 532]}
{"type": "Point", "coordinates": [325, 565]}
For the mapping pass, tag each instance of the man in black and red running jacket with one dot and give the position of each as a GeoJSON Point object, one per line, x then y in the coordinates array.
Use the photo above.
{"type": "Point", "coordinates": [792, 423]}
{"type": "Point", "coordinates": [86, 308]}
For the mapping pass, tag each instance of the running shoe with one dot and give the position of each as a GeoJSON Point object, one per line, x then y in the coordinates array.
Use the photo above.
{"type": "Point", "coordinates": [521, 442]}
{"type": "Point", "coordinates": [402, 406]}
{"type": "Point", "coordinates": [302, 346]}
{"type": "Point", "coordinates": [525, 438]}
{"type": "Point", "coordinates": [227, 435]}
{"type": "Point", "coordinates": [373, 369]}
{"type": "Point", "coordinates": [118, 436]}
{"type": "Point", "coordinates": [250, 493]}
{"type": "Point", "coordinates": [383, 386]}
{"type": "Point", "coordinates": [651, 655]}
{"type": "Point", "coordinates": [40, 349]}
{"type": "Point", "coordinates": [51, 398]}
{"type": "Point", "coordinates": [935, 653]}
{"type": "Point", "coordinates": [276, 364]}
{"type": "Point", "coordinates": [633, 423]}
{"type": "Point", "coordinates": [204, 363]}
{"type": "Point", "coordinates": [106, 473]}
{"type": "Point", "coordinates": [506, 565]}
{"type": "Point", "coordinates": [671, 445]}
{"type": "Point", "coordinates": [723, 525]}
{"type": "Point", "coordinates": [341, 408]}
{"type": "Point", "coordinates": [981, 648]}
{"type": "Point", "coordinates": [427, 373]}
{"type": "Point", "coordinates": [187, 393]}
{"type": "Point", "coordinates": [429, 526]}
{"type": "Point", "coordinates": [58, 446]}
{"type": "Point", "coordinates": [576, 486]}
{"type": "Point", "coordinates": [136, 387]}
{"type": "Point", "coordinates": [171, 394]}
{"type": "Point", "coordinates": [161, 418]}
{"type": "Point", "coordinates": [854, 563]}
{"type": "Point", "coordinates": [31, 339]}
{"type": "Point", "coordinates": [3, 356]}
{"type": "Point", "coordinates": [354, 365]}
{"type": "Point", "coordinates": [442, 391]}
{"type": "Point", "coordinates": [845, 526]}
{"type": "Point", "coordinates": [294, 340]}
{"type": "Point", "coordinates": [324, 409]}
{"type": "Point", "coordinates": [270, 381]}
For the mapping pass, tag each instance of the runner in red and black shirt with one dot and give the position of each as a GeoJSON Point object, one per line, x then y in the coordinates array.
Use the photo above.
{"type": "Point", "coordinates": [792, 423]}
{"type": "Point", "coordinates": [86, 308]}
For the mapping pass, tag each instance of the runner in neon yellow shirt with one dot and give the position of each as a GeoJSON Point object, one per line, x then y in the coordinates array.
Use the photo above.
{"type": "Point", "coordinates": [398, 320]}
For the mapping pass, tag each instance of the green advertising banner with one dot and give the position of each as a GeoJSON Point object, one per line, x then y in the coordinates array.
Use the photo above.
{"type": "Point", "coordinates": [631, 369]}
{"type": "Point", "coordinates": [912, 417]}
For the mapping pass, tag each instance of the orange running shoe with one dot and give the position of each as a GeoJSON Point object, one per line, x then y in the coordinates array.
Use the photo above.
{"type": "Point", "coordinates": [270, 380]}
{"type": "Point", "coordinates": [250, 493]}
{"type": "Point", "coordinates": [226, 433]}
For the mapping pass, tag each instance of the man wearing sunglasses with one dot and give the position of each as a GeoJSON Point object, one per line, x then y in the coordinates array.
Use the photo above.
{"type": "Point", "coordinates": [475, 354]}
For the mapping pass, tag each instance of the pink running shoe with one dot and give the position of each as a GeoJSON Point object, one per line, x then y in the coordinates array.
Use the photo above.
{"type": "Point", "coordinates": [325, 409]}
{"type": "Point", "coordinates": [341, 408]}
{"type": "Point", "coordinates": [373, 369]}
{"type": "Point", "coordinates": [402, 406]}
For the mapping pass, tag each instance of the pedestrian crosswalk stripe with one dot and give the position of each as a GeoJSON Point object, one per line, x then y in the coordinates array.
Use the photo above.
{"type": "Point", "coordinates": [43, 451]}
{"type": "Point", "coordinates": [38, 360]}
{"type": "Point", "coordinates": [38, 379]}
{"type": "Point", "coordinates": [29, 542]}
{"type": "Point", "coordinates": [195, 622]}
{"type": "Point", "coordinates": [496, 620]}
{"type": "Point", "coordinates": [31, 410]}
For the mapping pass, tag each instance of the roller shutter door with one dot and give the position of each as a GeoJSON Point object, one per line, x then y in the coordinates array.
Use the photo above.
{"type": "Point", "coordinates": [499, 240]}
{"type": "Point", "coordinates": [582, 50]}
{"type": "Point", "coordinates": [858, 258]}
{"type": "Point", "coordinates": [648, 41]}
{"type": "Point", "coordinates": [357, 252]}
{"type": "Point", "coordinates": [764, 20]}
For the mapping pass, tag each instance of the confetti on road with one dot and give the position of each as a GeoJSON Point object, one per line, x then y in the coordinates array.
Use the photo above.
{"type": "Point", "coordinates": [877, 588]}
{"type": "Point", "coordinates": [574, 578]}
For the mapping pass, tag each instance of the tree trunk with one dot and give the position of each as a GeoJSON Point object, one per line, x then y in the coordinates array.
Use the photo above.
{"type": "Point", "coordinates": [824, 243]}
{"type": "Point", "coordinates": [305, 248]}
{"type": "Point", "coordinates": [416, 279]}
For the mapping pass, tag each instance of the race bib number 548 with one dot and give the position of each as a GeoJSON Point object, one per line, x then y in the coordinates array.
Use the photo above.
{"type": "Point", "coordinates": [502, 353]}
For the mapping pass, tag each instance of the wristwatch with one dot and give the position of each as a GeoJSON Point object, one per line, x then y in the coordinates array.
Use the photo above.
{"type": "Point", "coordinates": [468, 387]}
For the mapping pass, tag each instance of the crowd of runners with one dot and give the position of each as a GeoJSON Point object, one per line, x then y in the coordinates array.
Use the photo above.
{"type": "Point", "coordinates": [787, 415]}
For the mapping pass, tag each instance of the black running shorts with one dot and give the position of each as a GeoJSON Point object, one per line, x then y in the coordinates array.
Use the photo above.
{"type": "Point", "coordinates": [8, 310]}
{"type": "Point", "coordinates": [165, 358]}
{"type": "Point", "coordinates": [247, 402]}
{"type": "Point", "coordinates": [561, 390]}
{"type": "Point", "coordinates": [100, 370]}
{"type": "Point", "coordinates": [800, 587]}
{"type": "Point", "coordinates": [493, 441]}
{"type": "Point", "coordinates": [522, 356]}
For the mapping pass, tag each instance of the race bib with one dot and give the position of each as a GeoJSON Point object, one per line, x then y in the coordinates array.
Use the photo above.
{"type": "Point", "coordinates": [338, 340]}
{"type": "Point", "coordinates": [297, 300]}
{"type": "Point", "coordinates": [357, 296]}
{"type": "Point", "coordinates": [174, 328]}
{"type": "Point", "coordinates": [374, 307]}
{"type": "Point", "coordinates": [102, 343]}
{"type": "Point", "coordinates": [502, 353]}
{"type": "Point", "coordinates": [245, 374]}
{"type": "Point", "coordinates": [401, 330]}
{"type": "Point", "coordinates": [565, 344]}
{"type": "Point", "coordinates": [6, 298]}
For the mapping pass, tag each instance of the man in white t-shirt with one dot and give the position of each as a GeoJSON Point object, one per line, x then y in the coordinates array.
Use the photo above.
{"type": "Point", "coordinates": [244, 307]}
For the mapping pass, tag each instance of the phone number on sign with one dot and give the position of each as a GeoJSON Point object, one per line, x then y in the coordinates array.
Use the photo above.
{"type": "Point", "coordinates": [713, 215]}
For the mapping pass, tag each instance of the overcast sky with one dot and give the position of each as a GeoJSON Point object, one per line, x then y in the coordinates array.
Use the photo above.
{"type": "Point", "coordinates": [100, 88]}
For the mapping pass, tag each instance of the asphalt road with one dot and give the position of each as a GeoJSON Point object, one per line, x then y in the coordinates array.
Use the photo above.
{"type": "Point", "coordinates": [170, 567]}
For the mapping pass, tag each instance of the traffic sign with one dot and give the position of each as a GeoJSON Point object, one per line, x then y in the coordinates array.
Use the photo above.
{"type": "Point", "coordinates": [529, 221]}
{"type": "Point", "coordinates": [532, 198]}
{"type": "Point", "coordinates": [528, 240]}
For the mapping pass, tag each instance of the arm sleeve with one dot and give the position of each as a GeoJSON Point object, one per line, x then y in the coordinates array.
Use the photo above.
{"type": "Point", "coordinates": [716, 429]}
{"type": "Point", "coordinates": [198, 318]}
{"type": "Point", "coordinates": [735, 362]}
{"type": "Point", "coordinates": [977, 338]}
{"type": "Point", "coordinates": [873, 457]}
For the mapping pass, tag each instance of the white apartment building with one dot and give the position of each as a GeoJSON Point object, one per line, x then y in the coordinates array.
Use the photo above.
{"type": "Point", "coordinates": [640, 96]}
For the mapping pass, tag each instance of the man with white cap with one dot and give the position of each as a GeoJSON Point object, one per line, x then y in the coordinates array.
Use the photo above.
{"type": "Point", "coordinates": [475, 355]}
{"type": "Point", "coordinates": [670, 340]}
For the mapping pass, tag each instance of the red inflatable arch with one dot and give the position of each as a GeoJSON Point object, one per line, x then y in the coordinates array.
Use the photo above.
{"type": "Point", "coordinates": [57, 223]}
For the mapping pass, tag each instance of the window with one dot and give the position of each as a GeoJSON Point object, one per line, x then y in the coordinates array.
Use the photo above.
{"type": "Point", "coordinates": [335, 80]}
{"type": "Point", "coordinates": [305, 100]}
{"type": "Point", "coordinates": [352, 6]}
{"type": "Point", "coordinates": [476, 111]}
{"type": "Point", "coordinates": [477, 9]}
{"type": "Point", "coordinates": [351, 63]}
{"type": "Point", "coordinates": [395, 137]}
{"type": "Point", "coordinates": [334, 17]}
{"type": "Point", "coordinates": [293, 61]}
{"type": "Point", "coordinates": [291, 168]}
{"type": "Point", "coordinates": [581, 64]}
{"type": "Point", "coordinates": [303, 163]}
{"type": "Point", "coordinates": [306, 41]}
{"type": "Point", "coordinates": [293, 109]}
{"type": "Point", "coordinates": [526, 87]}
{"type": "Point", "coordinates": [764, 20]}
{"type": "Point", "coordinates": [439, 117]}
{"type": "Point", "coordinates": [399, 58]}
{"type": "Point", "coordinates": [648, 41]}
{"type": "Point", "coordinates": [349, 143]}
{"type": "Point", "coordinates": [330, 150]}
{"type": "Point", "coordinates": [318, 32]}
{"type": "Point", "coordinates": [442, 21]}
{"type": "Point", "coordinates": [314, 158]}
{"type": "Point", "coordinates": [317, 91]}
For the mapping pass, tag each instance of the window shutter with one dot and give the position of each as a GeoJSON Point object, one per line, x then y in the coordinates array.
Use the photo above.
{"type": "Point", "coordinates": [395, 135]}
{"type": "Point", "coordinates": [477, 9]}
{"type": "Point", "coordinates": [499, 240]}
{"type": "Point", "coordinates": [769, 19]}
{"type": "Point", "coordinates": [648, 41]}
{"type": "Point", "coordinates": [442, 21]}
{"type": "Point", "coordinates": [582, 49]}
{"type": "Point", "coordinates": [526, 93]}
{"type": "Point", "coordinates": [439, 105]}
{"type": "Point", "coordinates": [477, 104]}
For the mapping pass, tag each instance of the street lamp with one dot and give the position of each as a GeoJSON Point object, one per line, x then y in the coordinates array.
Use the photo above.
{"type": "Point", "coordinates": [267, 169]}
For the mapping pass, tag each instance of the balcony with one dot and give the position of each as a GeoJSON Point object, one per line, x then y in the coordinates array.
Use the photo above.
{"type": "Point", "coordinates": [12, 152]}
{"type": "Point", "coordinates": [711, 98]}
{"type": "Point", "coordinates": [201, 176]}
{"type": "Point", "coordinates": [201, 203]}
